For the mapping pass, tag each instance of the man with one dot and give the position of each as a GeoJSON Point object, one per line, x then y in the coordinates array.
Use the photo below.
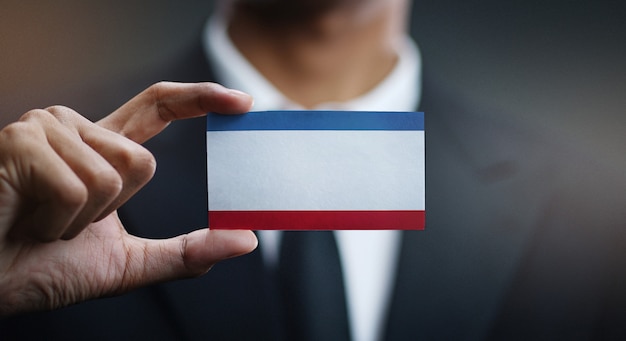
{"type": "Point", "coordinates": [511, 249]}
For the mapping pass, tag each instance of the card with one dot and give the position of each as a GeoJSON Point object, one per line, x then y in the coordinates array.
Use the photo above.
{"type": "Point", "coordinates": [316, 170]}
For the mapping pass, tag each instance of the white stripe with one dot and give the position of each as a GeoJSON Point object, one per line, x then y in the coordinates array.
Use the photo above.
{"type": "Point", "coordinates": [316, 170]}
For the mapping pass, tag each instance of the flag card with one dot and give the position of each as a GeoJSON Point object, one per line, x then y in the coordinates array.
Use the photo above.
{"type": "Point", "coordinates": [316, 170]}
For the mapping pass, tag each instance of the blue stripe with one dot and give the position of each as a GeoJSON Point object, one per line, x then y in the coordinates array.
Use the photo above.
{"type": "Point", "coordinates": [317, 120]}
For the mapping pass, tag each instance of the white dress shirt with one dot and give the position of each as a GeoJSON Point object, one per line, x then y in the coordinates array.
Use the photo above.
{"type": "Point", "coordinates": [368, 258]}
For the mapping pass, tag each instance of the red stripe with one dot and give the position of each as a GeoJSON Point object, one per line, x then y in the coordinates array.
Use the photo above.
{"type": "Point", "coordinates": [317, 220]}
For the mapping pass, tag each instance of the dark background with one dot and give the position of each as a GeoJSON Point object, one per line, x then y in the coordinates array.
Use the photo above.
{"type": "Point", "coordinates": [560, 65]}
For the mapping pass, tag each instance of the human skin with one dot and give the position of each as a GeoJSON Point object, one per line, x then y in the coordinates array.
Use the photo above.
{"type": "Point", "coordinates": [62, 179]}
{"type": "Point", "coordinates": [319, 51]}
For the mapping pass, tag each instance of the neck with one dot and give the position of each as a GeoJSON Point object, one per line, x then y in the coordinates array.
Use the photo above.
{"type": "Point", "coordinates": [334, 56]}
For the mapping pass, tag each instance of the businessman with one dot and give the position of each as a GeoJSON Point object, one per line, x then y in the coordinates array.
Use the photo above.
{"type": "Point", "coordinates": [523, 236]}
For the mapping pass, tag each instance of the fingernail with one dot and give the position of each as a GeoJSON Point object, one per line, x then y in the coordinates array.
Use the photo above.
{"type": "Point", "coordinates": [242, 95]}
{"type": "Point", "coordinates": [238, 93]}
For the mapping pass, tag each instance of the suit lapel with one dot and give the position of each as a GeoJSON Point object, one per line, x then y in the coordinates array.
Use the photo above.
{"type": "Point", "coordinates": [452, 276]}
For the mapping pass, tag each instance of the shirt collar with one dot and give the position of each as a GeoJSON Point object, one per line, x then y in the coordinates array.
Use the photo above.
{"type": "Point", "coordinates": [399, 91]}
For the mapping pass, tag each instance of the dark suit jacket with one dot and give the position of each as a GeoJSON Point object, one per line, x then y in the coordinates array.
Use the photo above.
{"type": "Point", "coordinates": [524, 240]}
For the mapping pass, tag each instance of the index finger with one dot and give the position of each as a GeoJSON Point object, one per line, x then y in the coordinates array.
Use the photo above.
{"type": "Point", "coordinates": [152, 110]}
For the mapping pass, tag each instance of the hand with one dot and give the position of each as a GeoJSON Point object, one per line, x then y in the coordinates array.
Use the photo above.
{"type": "Point", "coordinates": [62, 179]}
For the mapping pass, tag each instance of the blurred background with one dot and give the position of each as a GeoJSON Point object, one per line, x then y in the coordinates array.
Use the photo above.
{"type": "Point", "coordinates": [559, 64]}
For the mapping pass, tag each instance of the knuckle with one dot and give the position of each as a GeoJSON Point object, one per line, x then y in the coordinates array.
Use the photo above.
{"type": "Point", "coordinates": [62, 113]}
{"type": "Point", "coordinates": [209, 86]}
{"type": "Point", "coordinates": [158, 85]}
{"type": "Point", "coordinates": [162, 85]}
{"type": "Point", "coordinates": [106, 183]}
{"type": "Point", "coordinates": [144, 165]}
{"type": "Point", "coordinates": [36, 115]}
{"type": "Point", "coordinates": [15, 130]}
{"type": "Point", "coordinates": [51, 115]}
{"type": "Point", "coordinates": [137, 162]}
{"type": "Point", "coordinates": [73, 196]}
{"type": "Point", "coordinates": [20, 137]}
{"type": "Point", "coordinates": [156, 92]}
{"type": "Point", "coordinates": [58, 110]}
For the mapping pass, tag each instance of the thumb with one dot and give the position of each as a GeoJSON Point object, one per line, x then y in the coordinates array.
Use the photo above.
{"type": "Point", "coordinates": [203, 248]}
{"type": "Point", "coordinates": [188, 255]}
